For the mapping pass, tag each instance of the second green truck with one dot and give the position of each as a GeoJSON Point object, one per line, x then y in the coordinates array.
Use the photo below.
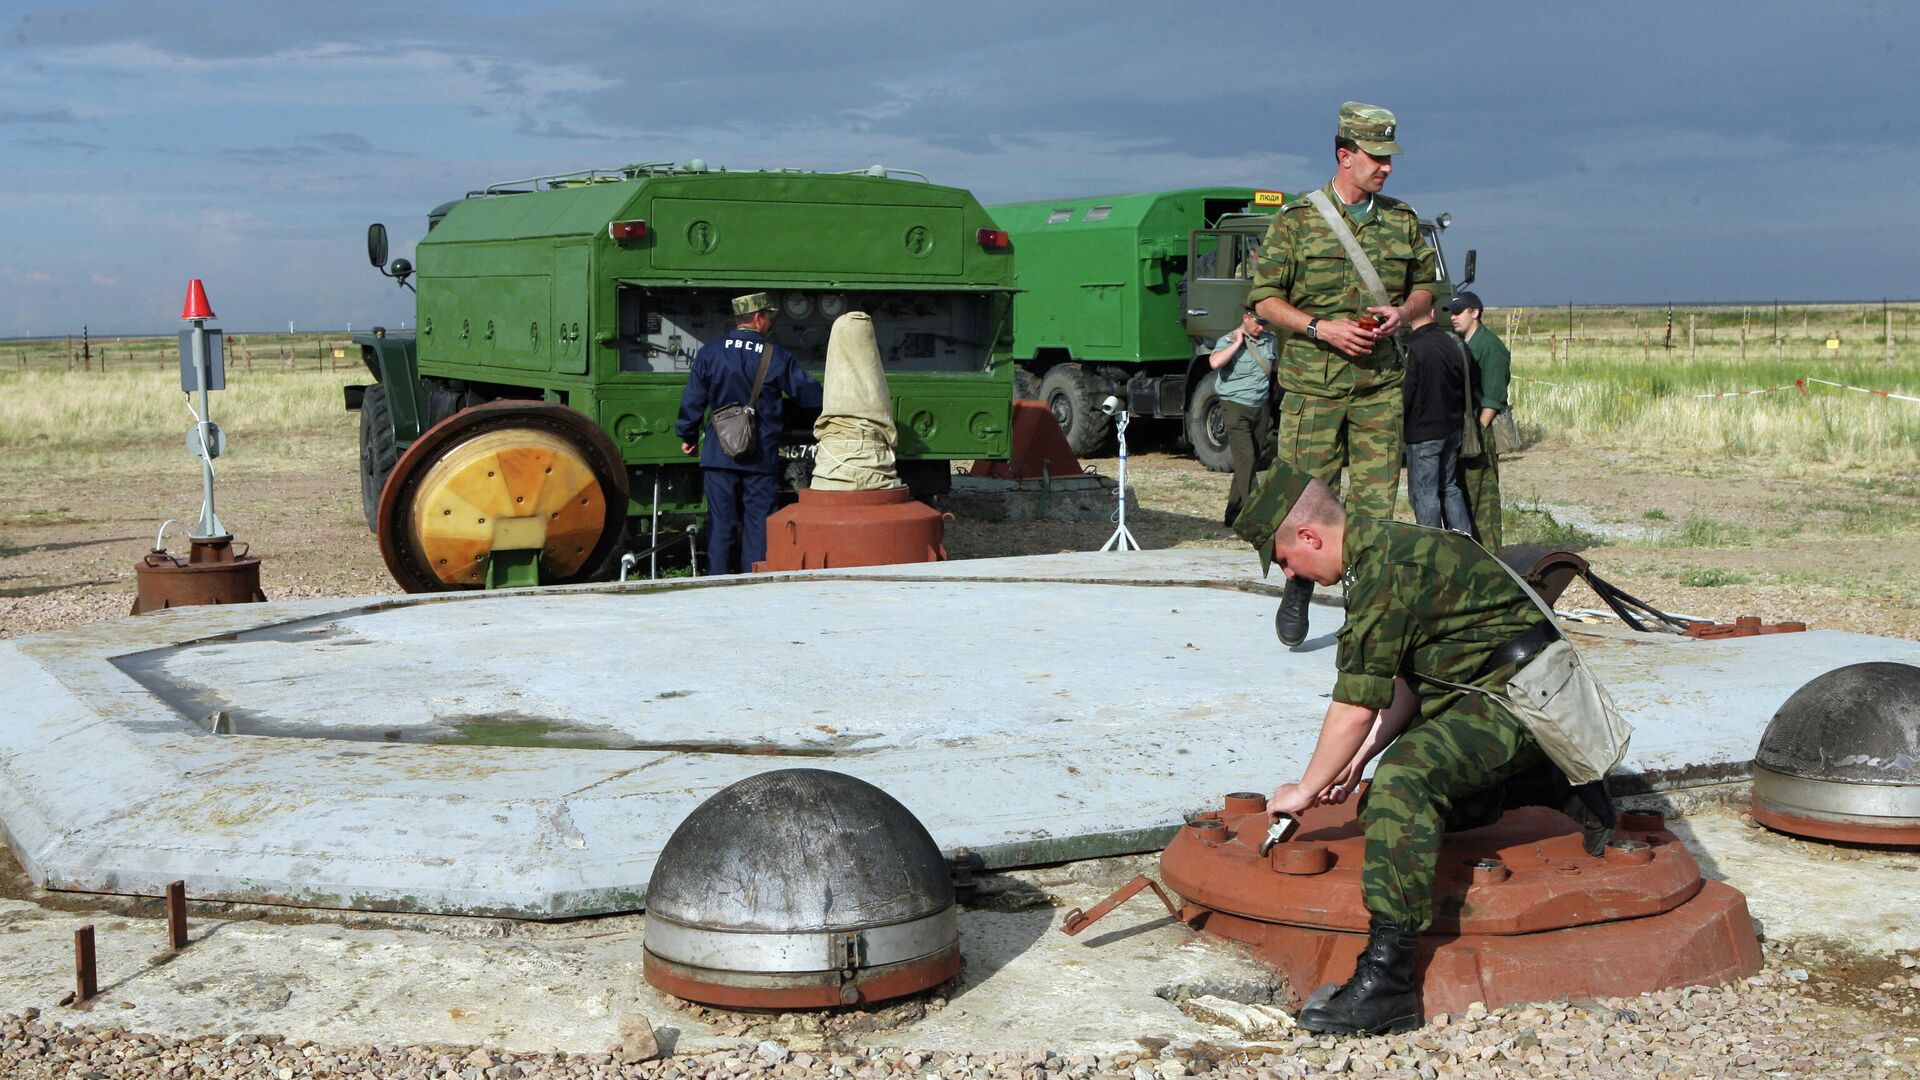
{"type": "Point", "coordinates": [1124, 295]}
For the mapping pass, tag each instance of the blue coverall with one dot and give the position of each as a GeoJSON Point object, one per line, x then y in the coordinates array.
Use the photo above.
{"type": "Point", "coordinates": [740, 491]}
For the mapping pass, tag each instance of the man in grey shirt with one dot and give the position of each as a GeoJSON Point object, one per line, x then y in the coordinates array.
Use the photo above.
{"type": "Point", "coordinates": [1242, 362]}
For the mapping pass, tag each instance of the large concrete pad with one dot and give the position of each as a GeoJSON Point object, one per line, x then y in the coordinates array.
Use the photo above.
{"type": "Point", "coordinates": [528, 754]}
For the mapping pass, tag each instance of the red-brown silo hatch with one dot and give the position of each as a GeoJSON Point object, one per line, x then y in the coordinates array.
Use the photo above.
{"type": "Point", "coordinates": [1522, 912]}
{"type": "Point", "coordinates": [853, 528]}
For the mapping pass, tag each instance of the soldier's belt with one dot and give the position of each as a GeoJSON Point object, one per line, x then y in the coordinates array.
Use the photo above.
{"type": "Point", "coordinates": [1520, 649]}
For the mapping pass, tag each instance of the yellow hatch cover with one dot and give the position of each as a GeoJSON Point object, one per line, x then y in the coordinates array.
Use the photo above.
{"type": "Point", "coordinates": [507, 490]}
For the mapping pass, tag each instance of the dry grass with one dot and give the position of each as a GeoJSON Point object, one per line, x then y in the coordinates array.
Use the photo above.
{"type": "Point", "coordinates": [135, 414]}
{"type": "Point", "coordinates": [1613, 385]}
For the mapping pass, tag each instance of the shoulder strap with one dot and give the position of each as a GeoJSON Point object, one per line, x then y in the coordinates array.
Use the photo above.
{"type": "Point", "coordinates": [1338, 223]}
{"type": "Point", "coordinates": [759, 380]}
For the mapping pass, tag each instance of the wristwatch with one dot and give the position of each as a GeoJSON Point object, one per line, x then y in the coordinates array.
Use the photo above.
{"type": "Point", "coordinates": [1313, 329]}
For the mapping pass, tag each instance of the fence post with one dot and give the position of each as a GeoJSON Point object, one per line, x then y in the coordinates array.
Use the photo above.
{"type": "Point", "coordinates": [1885, 311]}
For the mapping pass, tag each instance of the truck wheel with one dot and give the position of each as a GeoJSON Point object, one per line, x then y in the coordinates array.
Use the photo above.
{"type": "Point", "coordinates": [1207, 426]}
{"type": "Point", "coordinates": [1025, 386]}
{"type": "Point", "coordinates": [377, 452]}
{"type": "Point", "coordinates": [1069, 392]}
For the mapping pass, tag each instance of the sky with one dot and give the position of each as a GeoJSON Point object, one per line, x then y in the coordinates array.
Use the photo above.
{"type": "Point", "coordinates": [1625, 152]}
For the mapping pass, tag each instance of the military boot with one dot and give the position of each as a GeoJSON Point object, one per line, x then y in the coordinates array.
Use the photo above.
{"type": "Point", "coordinates": [1290, 622]}
{"type": "Point", "coordinates": [1380, 998]}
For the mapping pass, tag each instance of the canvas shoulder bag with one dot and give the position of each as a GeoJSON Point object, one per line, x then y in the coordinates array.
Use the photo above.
{"type": "Point", "coordinates": [1561, 705]}
{"type": "Point", "coordinates": [1369, 276]}
{"type": "Point", "coordinates": [734, 424]}
{"type": "Point", "coordinates": [1504, 432]}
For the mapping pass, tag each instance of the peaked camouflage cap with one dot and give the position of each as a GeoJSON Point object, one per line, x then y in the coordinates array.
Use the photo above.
{"type": "Point", "coordinates": [1274, 493]}
{"type": "Point", "coordinates": [1371, 127]}
{"type": "Point", "coordinates": [752, 302]}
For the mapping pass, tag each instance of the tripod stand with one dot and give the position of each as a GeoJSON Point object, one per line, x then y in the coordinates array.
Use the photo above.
{"type": "Point", "coordinates": [1122, 539]}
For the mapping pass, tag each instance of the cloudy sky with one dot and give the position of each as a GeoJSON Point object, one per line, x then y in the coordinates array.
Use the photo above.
{"type": "Point", "coordinates": [1619, 152]}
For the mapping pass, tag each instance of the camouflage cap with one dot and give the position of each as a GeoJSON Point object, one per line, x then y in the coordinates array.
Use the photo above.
{"type": "Point", "coordinates": [752, 302]}
{"type": "Point", "coordinates": [1370, 127]}
{"type": "Point", "coordinates": [1274, 493]}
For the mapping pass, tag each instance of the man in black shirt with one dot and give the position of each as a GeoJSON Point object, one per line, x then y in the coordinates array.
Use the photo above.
{"type": "Point", "coordinates": [1435, 398]}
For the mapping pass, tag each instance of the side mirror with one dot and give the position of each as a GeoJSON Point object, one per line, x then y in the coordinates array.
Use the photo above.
{"type": "Point", "coordinates": [377, 245]}
{"type": "Point", "coordinates": [1473, 256]}
{"type": "Point", "coordinates": [401, 270]}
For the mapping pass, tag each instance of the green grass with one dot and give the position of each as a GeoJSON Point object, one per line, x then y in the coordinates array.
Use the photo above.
{"type": "Point", "coordinates": [1522, 524]}
{"type": "Point", "coordinates": [1616, 387]}
{"type": "Point", "coordinates": [1655, 514]}
{"type": "Point", "coordinates": [1703, 531]}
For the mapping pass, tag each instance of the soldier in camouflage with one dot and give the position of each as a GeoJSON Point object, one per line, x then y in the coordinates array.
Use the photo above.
{"type": "Point", "coordinates": [1420, 602]}
{"type": "Point", "coordinates": [1340, 376]}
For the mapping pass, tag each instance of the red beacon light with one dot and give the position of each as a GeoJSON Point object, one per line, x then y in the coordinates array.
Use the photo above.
{"type": "Point", "coordinates": [995, 239]}
{"type": "Point", "coordinates": [627, 230]}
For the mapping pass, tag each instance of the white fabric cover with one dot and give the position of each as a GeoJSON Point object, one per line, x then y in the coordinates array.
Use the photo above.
{"type": "Point", "coordinates": [855, 431]}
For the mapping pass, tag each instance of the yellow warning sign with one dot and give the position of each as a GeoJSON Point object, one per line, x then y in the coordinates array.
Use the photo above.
{"type": "Point", "coordinates": [1833, 343]}
{"type": "Point", "coordinates": [1268, 198]}
{"type": "Point", "coordinates": [339, 354]}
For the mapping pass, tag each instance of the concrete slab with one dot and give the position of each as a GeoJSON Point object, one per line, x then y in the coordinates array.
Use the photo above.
{"type": "Point", "coordinates": [528, 754]}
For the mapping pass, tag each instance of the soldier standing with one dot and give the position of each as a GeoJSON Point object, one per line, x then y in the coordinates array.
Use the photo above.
{"type": "Point", "coordinates": [1340, 367]}
{"type": "Point", "coordinates": [1422, 604]}
{"type": "Point", "coordinates": [1480, 474]}
{"type": "Point", "coordinates": [741, 490]}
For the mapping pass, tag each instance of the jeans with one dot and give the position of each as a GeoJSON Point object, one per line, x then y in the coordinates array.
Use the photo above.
{"type": "Point", "coordinates": [1433, 484]}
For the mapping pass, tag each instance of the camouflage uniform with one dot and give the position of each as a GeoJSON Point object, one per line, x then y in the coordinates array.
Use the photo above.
{"type": "Point", "coordinates": [1336, 409]}
{"type": "Point", "coordinates": [1480, 475]}
{"type": "Point", "coordinates": [1433, 602]}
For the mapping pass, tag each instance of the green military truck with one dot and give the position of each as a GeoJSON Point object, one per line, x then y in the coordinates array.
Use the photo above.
{"type": "Point", "coordinates": [1125, 294]}
{"type": "Point", "coordinates": [556, 320]}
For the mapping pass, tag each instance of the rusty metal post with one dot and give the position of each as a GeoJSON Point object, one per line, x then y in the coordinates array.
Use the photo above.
{"type": "Point", "coordinates": [86, 982]}
{"type": "Point", "coordinates": [176, 916]}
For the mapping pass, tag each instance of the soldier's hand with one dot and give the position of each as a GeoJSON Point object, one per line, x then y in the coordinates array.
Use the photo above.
{"type": "Point", "coordinates": [1391, 319]}
{"type": "Point", "coordinates": [688, 449]}
{"type": "Point", "coordinates": [1347, 336]}
{"type": "Point", "coordinates": [1290, 799]}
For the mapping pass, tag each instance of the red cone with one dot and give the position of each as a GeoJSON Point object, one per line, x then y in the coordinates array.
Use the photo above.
{"type": "Point", "coordinates": [196, 306]}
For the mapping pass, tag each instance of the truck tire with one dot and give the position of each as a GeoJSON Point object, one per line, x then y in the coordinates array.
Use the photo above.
{"type": "Point", "coordinates": [1069, 391]}
{"type": "Point", "coordinates": [1207, 425]}
{"type": "Point", "coordinates": [377, 451]}
{"type": "Point", "coordinates": [1025, 386]}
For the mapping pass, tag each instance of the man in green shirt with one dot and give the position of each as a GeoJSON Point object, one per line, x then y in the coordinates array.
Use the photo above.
{"type": "Point", "coordinates": [1480, 474]}
{"type": "Point", "coordinates": [1340, 368]}
{"type": "Point", "coordinates": [1420, 603]}
{"type": "Point", "coordinates": [1242, 362]}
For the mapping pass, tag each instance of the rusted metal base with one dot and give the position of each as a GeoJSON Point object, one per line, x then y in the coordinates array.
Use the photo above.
{"type": "Point", "coordinates": [210, 574]}
{"type": "Point", "coordinates": [853, 528]}
{"type": "Point", "coordinates": [1040, 449]}
{"type": "Point", "coordinates": [801, 990]}
{"type": "Point", "coordinates": [1896, 832]}
{"type": "Point", "coordinates": [1521, 912]}
{"type": "Point", "coordinates": [1705, 941]}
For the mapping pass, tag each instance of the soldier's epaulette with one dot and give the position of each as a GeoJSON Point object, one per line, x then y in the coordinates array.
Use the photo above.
{"type": "Point", "coordinates": [1294, 203]}
{"type": "Point", "coordinates": [1389, 204]}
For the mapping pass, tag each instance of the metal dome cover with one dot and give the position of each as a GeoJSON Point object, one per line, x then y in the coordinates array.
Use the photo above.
{"type": "Point", "coordinates": [799, 850]}
{"type": "Point", "coordinates": [1840, 760]}
{"type": "Point", "coordinates": [1857, 724]}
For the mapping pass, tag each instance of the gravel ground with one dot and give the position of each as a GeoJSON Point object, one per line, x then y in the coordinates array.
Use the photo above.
{"type": "Point", "coordinates": [1781, 1022]}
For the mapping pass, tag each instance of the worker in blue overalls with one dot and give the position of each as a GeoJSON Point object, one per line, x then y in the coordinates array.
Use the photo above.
{"type": "Point", "coordinates": [741, 489]}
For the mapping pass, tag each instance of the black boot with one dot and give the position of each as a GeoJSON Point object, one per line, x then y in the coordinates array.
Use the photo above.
{"type": "Point", "coordinates": [1291, 620]}
{"type": "Point", "coordinates": [1380, 998]}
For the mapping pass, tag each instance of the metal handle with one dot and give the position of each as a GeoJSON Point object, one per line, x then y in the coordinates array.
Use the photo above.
{"type": "Point", "coordinates": [1196, 312]}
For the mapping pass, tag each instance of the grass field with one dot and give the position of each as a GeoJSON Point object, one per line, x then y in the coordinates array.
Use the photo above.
{"type": "Point", "coordinates": [1615, 384]}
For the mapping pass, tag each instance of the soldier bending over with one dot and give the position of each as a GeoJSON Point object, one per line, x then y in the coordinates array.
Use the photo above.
{"type": "Point", "coordinates": [1420, 602]}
